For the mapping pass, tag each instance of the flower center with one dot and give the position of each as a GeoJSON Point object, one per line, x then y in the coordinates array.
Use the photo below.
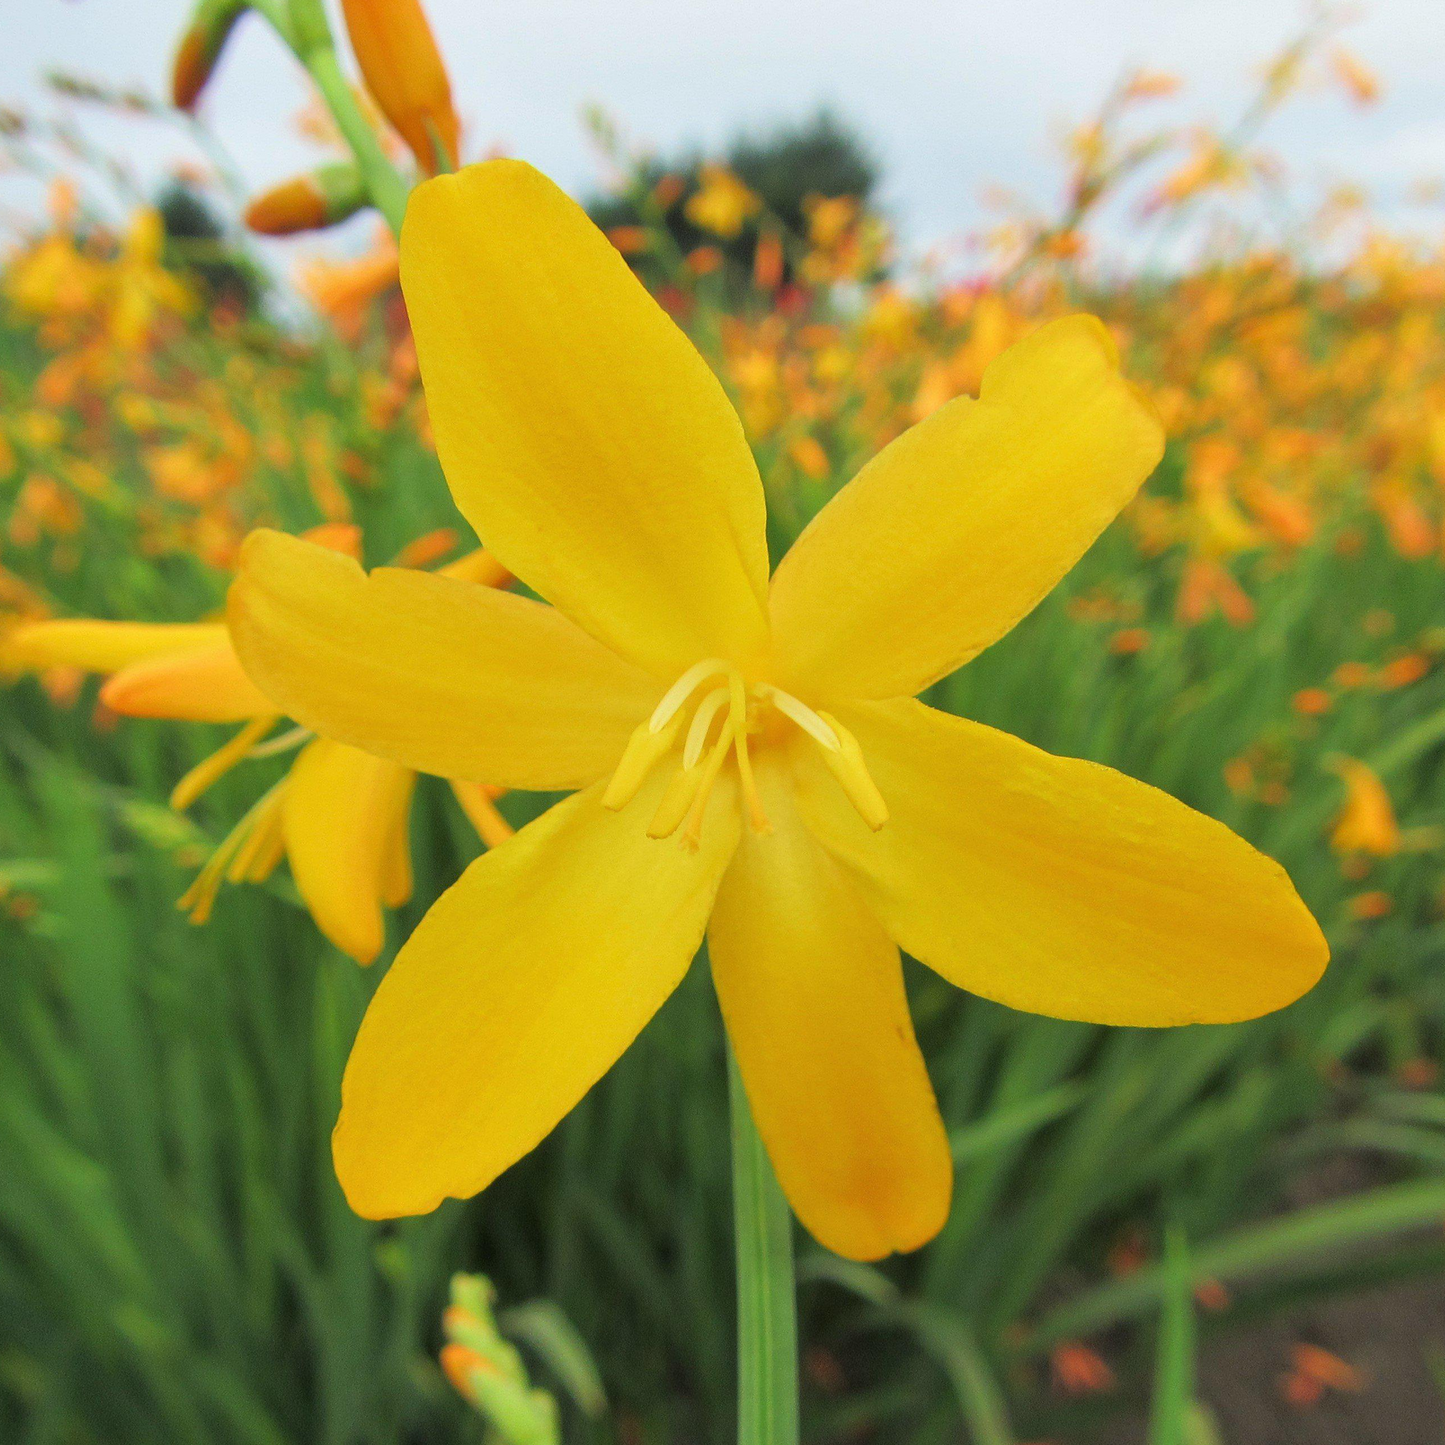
{"type": "Point", "coordinates": [721, 712]}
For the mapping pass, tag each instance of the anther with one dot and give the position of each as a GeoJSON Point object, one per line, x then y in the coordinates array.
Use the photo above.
{"type": "Point", "coordinates": [676, 800]}
{"type": "Point", "coordinates": [847, 765]}
{"type": "Point", "coordinates": [644, 750]}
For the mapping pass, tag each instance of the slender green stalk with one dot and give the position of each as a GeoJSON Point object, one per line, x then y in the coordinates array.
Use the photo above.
{"type": "Point", "coordinates": [767, 1314]}
{"type": "Point", "coordinates": [387, 189]}
{"type": "Point", "coordinates": [303, 26]}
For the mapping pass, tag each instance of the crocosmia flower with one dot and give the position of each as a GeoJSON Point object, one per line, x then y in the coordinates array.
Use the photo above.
{"type": "Point", "coordinates": [745, 756]}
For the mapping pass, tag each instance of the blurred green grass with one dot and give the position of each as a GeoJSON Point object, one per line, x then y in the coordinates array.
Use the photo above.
{"type": "Point", "coordinates": [177, 1263]}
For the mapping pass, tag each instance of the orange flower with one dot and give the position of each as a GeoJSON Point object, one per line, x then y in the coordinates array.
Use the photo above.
{"type": "Point", "coordinates": [1357, 78]}
{"type": "Point", "coordinates": [343, 291]}
{"type": "Point", "coordinates": [1315, 1371]}
{"type": "Point", "coordinates": [1403, 670]}
{"type": "Point", "coordinates": [630, 240]}
{"type": "Point", "coordinates": [1129, 640]}
{"type": "Point", "coordinates": [1078, 1370]}
{"type": "Point", "coordinates": [1366, 823]}
{"type": "Point", "coordinates": [404, 72]}
{"type": "Point", "coordinates": [1374, 904]}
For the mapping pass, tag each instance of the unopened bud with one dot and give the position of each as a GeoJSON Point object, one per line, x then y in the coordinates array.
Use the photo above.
{"type": "Point", "coordinates": [323, 197]}
{"type": "Point", "coordinates": [404, 72]}
{"type": "Point", "coordinates": [200, 48]}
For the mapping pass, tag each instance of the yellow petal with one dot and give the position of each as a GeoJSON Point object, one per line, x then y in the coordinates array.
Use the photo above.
{"type": "Point", "coordinates": [98, 646]}
{"type": "Point", "coordinates": [436, 673]}
{"type": "Point", "coordinates": [517, 992]}
{"type": "Point", "coordinates": [204, 685]}
{"type": "Point", "coordinates": [397, 880]}
{"type": "Point", "coordinates": [1059, 886]}
{"type": "Point", "coordinates": [959, 527]}
{"type": "Point", "coordinates": [581, 433]}
{"type": "Point", "coordinates": [812, 992]}
{"type": "Point", "coordinates": [342, 815]}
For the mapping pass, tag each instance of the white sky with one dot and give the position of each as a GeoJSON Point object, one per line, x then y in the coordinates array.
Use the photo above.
{"type": "Point", "coordinates": [953, 95]}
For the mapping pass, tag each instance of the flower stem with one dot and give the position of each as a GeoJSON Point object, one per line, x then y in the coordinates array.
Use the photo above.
{"type": "Point", "coordinates": [387, 189]}
{"type": "Point", "coordinates": [303, 26]}
{"type": "Point", "coordinates": [767, 1316]}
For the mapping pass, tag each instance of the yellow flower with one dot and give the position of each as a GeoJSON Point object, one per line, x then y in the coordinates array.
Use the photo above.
{"type": "Point", "coordinates": [339, 816]}
{"type": "Point", "coordinates": [722, 203]}
{"type": "Point", "coordinates": [747, 756]}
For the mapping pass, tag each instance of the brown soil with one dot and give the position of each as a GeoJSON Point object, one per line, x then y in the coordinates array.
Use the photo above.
{"type": "Point", "coordinates": [1391, 1336]}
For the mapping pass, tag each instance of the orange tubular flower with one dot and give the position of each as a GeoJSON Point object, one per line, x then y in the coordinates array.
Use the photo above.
{"type": "Point", "coordinates": [405, 74]}
{"type": "Point", "coordinates": [745, 754]}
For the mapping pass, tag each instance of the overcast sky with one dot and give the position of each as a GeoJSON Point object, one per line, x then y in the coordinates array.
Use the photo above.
{"type": "Point", "coordinates": [953, 95]}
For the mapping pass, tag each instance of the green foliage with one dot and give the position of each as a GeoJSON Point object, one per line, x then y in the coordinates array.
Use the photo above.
{"type": "Point", "coordinates": [200, 252]}
{"type": "Point", "coordinates": [783, 167]}
{"type": "Point", "coordinates": [177, 1263]}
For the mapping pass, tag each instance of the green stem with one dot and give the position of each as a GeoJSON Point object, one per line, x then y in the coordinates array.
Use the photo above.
{"type": "Point", "coordinates": [304, 28]}
{"type": "Point", "coordinates": [767, 1315]}
{"type": "Point", "coordinates": [383, 182]}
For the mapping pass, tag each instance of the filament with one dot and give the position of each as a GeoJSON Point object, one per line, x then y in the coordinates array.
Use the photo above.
{"type": "Point", "coordinates": [702, 721]}
{"type": "Point", "coordinates": [683, 689]}
{"type": "Point", "coordinates": [811, 722]}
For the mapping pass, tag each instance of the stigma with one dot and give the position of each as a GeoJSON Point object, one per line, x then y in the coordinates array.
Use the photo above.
{"type": "Point", "coordinates": [711, 716]}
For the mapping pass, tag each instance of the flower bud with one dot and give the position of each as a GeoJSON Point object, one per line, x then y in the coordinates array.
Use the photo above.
{"type": "Point", "coordinates": [200, 48]}
{"type": "Point", "coordinates": [404, 72]}
{"type": "Point", "coordinates": [319, 198]}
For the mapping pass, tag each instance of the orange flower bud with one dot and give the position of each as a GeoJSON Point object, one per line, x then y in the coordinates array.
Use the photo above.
{"type": "Point", "coordinates": [404, 72]}
{"type": "Point", "coordinates": [200, 48]}
{"type": "Point", "coordinates": [320, 198]}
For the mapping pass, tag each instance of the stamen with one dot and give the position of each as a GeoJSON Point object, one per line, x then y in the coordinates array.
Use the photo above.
{"type": "Point", "coordinates": [265, 831]}
{"type": "Point", "coordinates": [492, 828]}
{"type": "Point", "coordinates": [692, 833]}
{"type": "Point", "coordinates": [293, 738]}
{"type": "Point", "coordinates": [676, 800]}
{"type": "Point", "coordinates": [757, 817]}
{"type": "Point", "coordinates": [268, 856]}
{"type": "Point", "coordinates": [812, 723]}
{"type": "Point", "coordinates": [644, 749]}
{"type": "Point", "coordinates": [847, 765]}
{"type": "Point", "coordinates": [702, 721]}
{"type": "Point", "coordinates": [208, 770]}
{"type": "Point", "coordinates": [200, 897]}
{"type": "Point", "coordinates": [683, 689]}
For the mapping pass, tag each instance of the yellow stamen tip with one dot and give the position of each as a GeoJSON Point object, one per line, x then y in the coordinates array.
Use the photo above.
{"type": "Point", "coordinates": [847, 765]}
{"type": "Point", "coordinates": [676, 800]}
{"type": "Point", "coordinates": [643, 751]}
